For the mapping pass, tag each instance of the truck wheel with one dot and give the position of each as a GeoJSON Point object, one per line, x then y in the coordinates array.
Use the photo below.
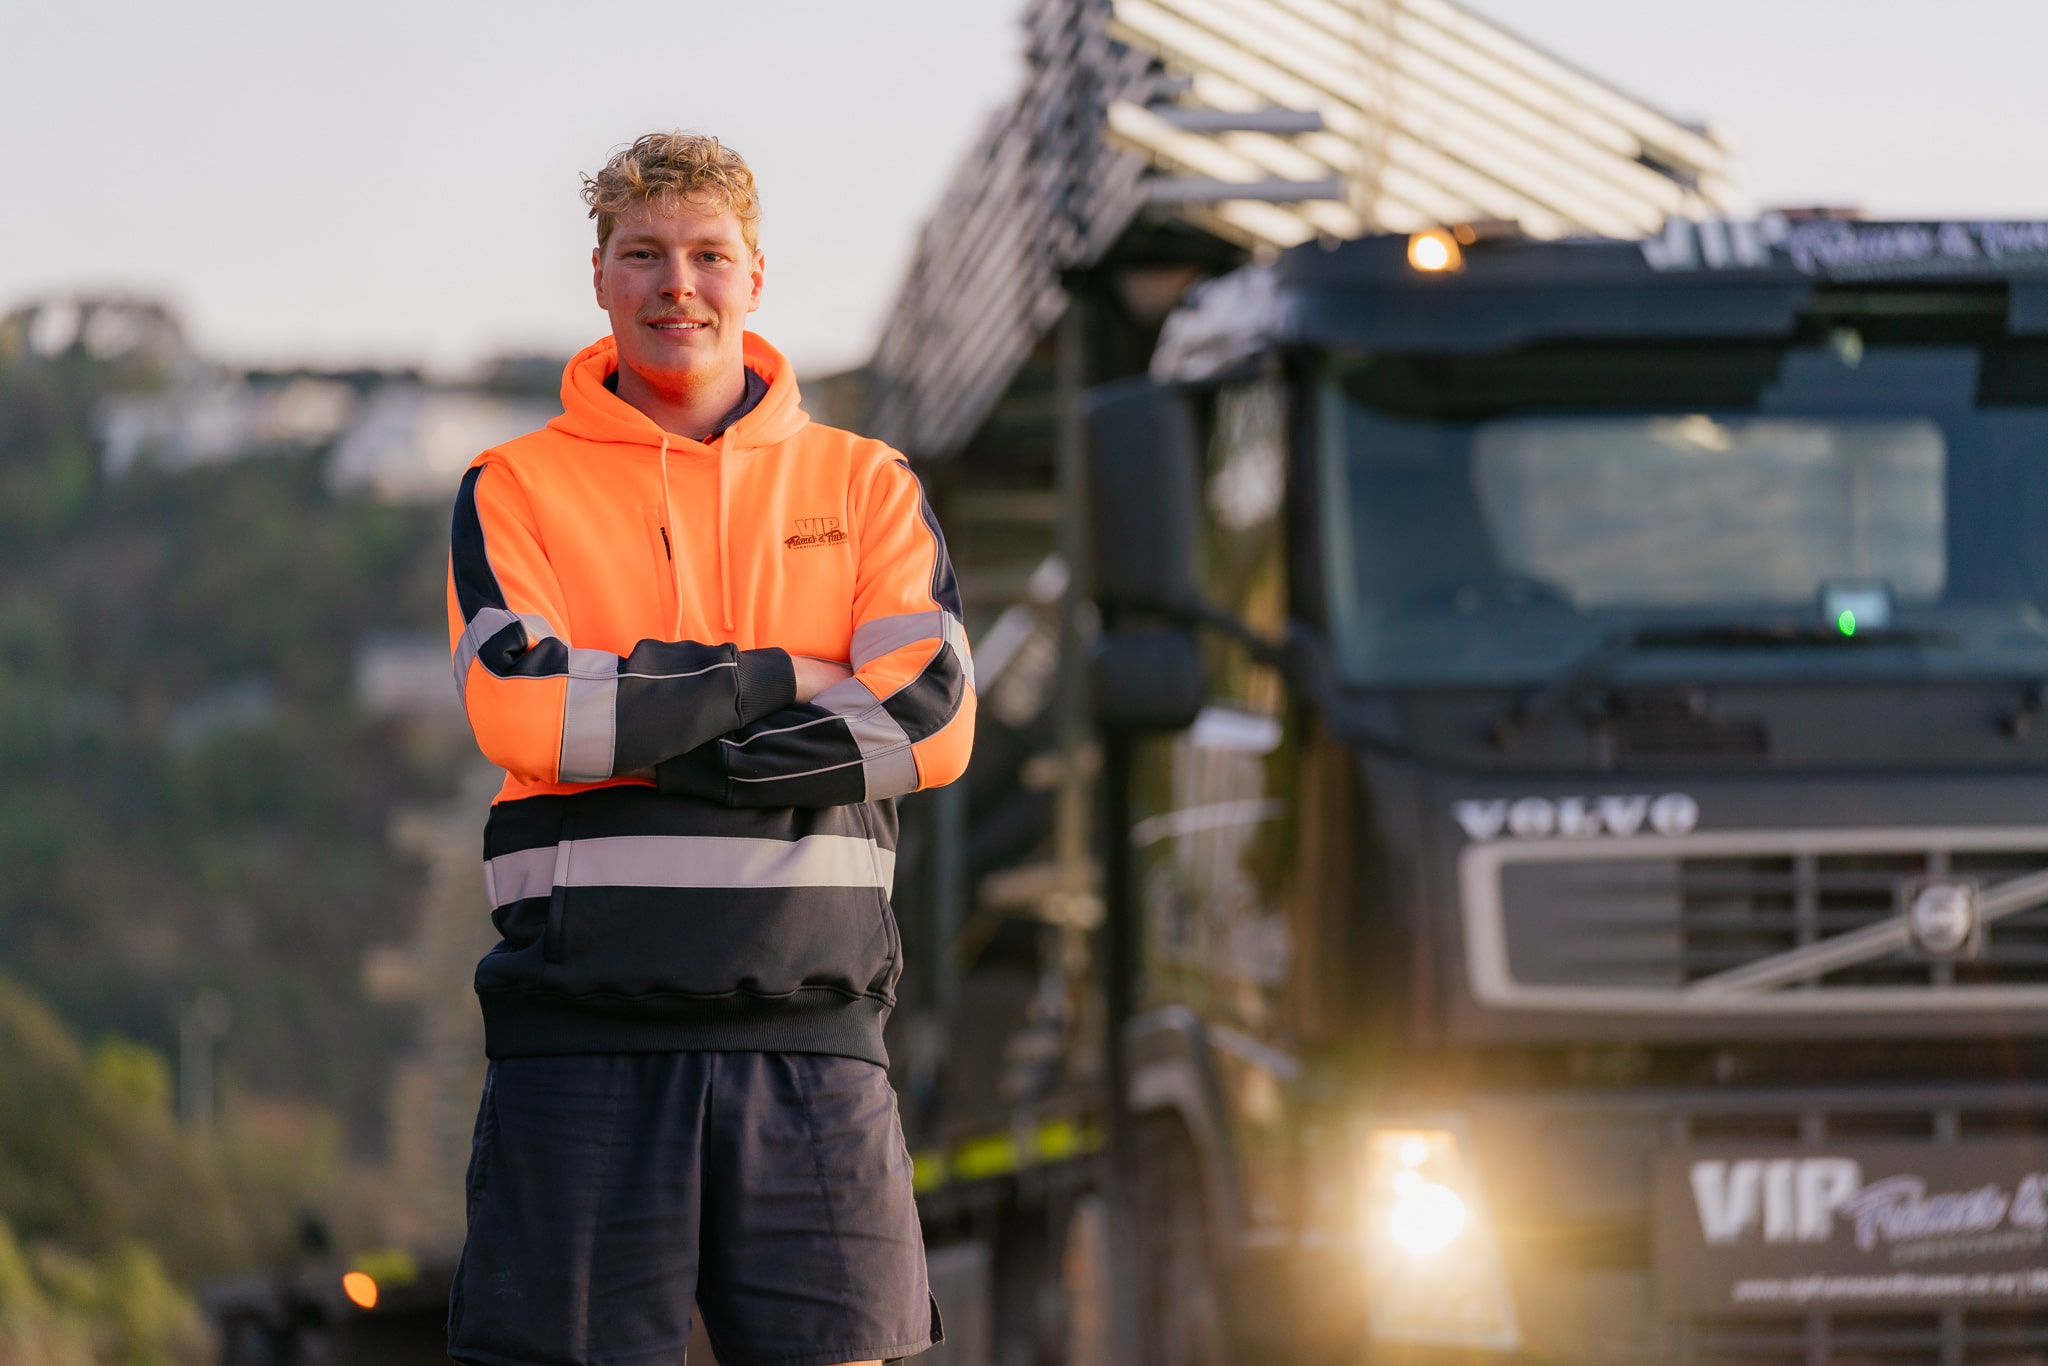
{"type": "Point", "coordinates": [1184, 1318]}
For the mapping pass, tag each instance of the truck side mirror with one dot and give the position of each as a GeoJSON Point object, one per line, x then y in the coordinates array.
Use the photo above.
{"type": "Point", "coordinates": [1143, 511]}
{"type": "Point", "coordinates": [1147, 680]}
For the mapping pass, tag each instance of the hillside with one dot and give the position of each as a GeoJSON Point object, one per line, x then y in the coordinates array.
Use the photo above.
{"type": "Point", "coordinates": [191, 798]}
{"type": "Point", "coordinates": [107, 1205]}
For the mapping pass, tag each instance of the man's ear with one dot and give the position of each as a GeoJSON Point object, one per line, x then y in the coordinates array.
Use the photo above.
{"type": "Point", "coordinates": [597, 275]}
{"type": "Point", "coordinates": [759, 272]}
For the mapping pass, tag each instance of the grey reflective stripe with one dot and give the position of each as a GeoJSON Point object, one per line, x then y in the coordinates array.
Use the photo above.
{"type": "Point", "coordinates": [515, 877]}
{"type": "Point", "coordinates": [685, 861]}
{"type": "Point", "coordinates": [590, 716]}
{"type": "Point", "coordinates": [886, 761]}
{"type": "Point", "coordinates": [956, 636]}
{"type": "Point", "coordinates": [482, 627]}
{"type": "Point", "coordinates": [878, 637]}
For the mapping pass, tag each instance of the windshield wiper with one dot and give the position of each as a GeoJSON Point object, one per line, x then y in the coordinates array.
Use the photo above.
{"type": "Point", "coordinates": [1596, 664]}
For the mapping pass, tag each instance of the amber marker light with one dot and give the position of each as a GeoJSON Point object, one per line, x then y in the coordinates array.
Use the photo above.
{"type": "Point", "coordinates": [360, 1289]}
{"type": "Point", "coordinates": [1434, 251]}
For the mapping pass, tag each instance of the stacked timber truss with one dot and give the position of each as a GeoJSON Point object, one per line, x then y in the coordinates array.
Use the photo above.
{"type": "Point", "coordinates": [1266, 123]}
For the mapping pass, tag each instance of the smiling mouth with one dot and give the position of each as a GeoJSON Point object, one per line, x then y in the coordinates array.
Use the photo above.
{"type": "Point", "coordinates": [677, 325]}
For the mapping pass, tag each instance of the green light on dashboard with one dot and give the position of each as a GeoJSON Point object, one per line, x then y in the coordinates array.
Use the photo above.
{"type": "Point", "coordinates": [1846, 623]}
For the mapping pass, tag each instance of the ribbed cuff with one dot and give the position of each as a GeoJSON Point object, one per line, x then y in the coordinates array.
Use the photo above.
{"type": "Point", "coordinates": [699, 773]}
{"type": "Point", "coordinates": [767, 683]}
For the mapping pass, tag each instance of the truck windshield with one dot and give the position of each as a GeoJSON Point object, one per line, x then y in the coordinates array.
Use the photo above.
{"type": "Point", "coordinates": [1491, 519]}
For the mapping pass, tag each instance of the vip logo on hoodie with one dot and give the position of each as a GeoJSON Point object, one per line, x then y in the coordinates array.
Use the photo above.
{"type": "Point", "coordinates": [812, 531]}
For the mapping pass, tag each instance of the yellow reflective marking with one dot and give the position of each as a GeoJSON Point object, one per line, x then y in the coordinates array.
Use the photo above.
{"type": "Point", "coordinates": [980, 1158]}
{"type": "Point", "coordinates": [927, 1171]}
{"type": "Point", "coordinates": [1058, 1138]}
{"type": "Point", "coordinates": [386, 1266]}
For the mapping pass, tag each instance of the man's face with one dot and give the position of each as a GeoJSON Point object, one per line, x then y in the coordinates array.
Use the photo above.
{"type": "Point", "coordinates": [678, 286]}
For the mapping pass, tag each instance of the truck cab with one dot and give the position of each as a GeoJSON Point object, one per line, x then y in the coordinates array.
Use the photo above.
{"type": "Point", "coordinates": [1579, 721]}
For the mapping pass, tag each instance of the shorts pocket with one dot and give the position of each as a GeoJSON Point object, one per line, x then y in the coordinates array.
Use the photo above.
{"type": "Point", "coordinates": [482, 1139]}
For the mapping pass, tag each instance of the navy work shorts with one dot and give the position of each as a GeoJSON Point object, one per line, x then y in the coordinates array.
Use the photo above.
{"type": "Point", "coordinates": [607, 1191]}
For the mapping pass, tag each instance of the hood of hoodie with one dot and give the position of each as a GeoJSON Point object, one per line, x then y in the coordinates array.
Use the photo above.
{"type": "Point", "coordinates": [594, 413]}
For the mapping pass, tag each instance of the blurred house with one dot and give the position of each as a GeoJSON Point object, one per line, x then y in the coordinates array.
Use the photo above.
{"type": "Point", "coordinates": [220, 418]}
{"type": "Point", "coordinates": [394, 437]}
{"type": "Point", "coordinates": [110, 328]}
{"type": "Point", "coordinates": [397, 440]}
{"type": "Point", "coordinates": [170, 406]}
{"type": "Point", "coordinates": [412, 442]}
{"type": "Point", "coordinates": [407, 676]}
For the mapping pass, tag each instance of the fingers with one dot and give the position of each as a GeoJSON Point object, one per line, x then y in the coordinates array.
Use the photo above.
{"type": "Point", "coordinates": [814, 676]}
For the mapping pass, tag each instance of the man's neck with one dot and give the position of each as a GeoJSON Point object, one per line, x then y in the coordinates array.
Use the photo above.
{"type": "Point", "coordinates": [694, 412]}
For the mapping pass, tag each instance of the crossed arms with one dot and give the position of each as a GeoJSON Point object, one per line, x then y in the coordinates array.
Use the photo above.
{"type": "Point", "coordinates": [714, 721]}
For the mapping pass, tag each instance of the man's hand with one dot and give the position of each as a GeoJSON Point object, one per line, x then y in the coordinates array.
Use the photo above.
{"type": "Point", "coordinates": [813, 676]}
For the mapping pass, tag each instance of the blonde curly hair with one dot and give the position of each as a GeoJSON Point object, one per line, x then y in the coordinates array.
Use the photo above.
{"type": "Point", "coordinates": [674, 168]}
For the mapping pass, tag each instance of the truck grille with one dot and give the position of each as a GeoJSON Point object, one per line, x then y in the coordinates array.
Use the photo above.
{"type": "Point", "coordinates": [1633, 924]}
{"type": "Point", "coordinates": [1957, 1338]}
{"type": "Point", "coordinates": [1732, 911]}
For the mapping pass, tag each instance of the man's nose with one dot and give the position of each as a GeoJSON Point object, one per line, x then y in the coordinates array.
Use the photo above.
{"type": "Point", "coordinates": [677, 282]}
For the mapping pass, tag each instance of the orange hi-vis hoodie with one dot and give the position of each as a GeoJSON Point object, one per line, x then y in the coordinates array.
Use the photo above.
{"type": "Point", "coordinates": [682, 855]}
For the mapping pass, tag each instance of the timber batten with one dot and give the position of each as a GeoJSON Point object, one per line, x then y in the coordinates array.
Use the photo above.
{"type": "Point", "coordinates": [1336, 117]}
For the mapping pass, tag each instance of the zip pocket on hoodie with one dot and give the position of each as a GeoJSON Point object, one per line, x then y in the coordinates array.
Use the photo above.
{"type": "Point", "coordinates": [552, 945]}
{"type": "Point", "coordinates": [661, 546]}
{"type": "Point", "coordinates": [892, 935]}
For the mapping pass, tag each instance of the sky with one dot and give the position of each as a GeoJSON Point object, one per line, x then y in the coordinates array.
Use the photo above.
{"type": "Point", "coordinates": [1907, 108]}
{"type": "Point", "coordinates": [395, 181]}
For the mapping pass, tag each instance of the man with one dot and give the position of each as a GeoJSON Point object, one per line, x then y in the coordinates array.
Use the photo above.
{"type": "Point", "coordinates": [708, 641]}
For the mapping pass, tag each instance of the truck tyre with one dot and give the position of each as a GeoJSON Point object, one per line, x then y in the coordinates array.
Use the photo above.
{"type": "Point", "coordinates": [1185, 1323]}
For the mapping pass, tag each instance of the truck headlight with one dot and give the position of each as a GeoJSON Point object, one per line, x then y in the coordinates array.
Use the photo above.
{"type": "Point", "coordinates": [1425, 1217]}
{"type": "Point", "coordinates": [1433, 1268]}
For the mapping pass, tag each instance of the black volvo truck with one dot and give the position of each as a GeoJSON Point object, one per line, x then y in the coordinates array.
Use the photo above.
{"type": "Point", "coordinates": [1575, 725]}
{"type": "Point", "coordinates": [1571, 762]}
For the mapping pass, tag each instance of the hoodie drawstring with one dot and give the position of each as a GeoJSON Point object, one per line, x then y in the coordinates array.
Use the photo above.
{"type": "Point", "coordinates": [675, 562]}
{"type": "Point", "coordinates": [724, 554]}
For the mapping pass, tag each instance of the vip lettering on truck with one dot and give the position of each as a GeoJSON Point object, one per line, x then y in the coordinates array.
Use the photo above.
{"type": "Point", "coordinates": [1908, 1225]}
{"type": "Point", "coordinates": [1846, 249]}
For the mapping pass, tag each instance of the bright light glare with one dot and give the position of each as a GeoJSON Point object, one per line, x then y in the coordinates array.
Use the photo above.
{"type": "Point", "coordinates": [1426, 1218]}
{"type": "Point", "coordinates": [1434, 1272]}
{"type": "Point", "coordinates": [1846, 622]}
{"type": "Point", "coordinates": [361, 1289]}
{"type": "Point", "coordinates": [1434, 250]}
